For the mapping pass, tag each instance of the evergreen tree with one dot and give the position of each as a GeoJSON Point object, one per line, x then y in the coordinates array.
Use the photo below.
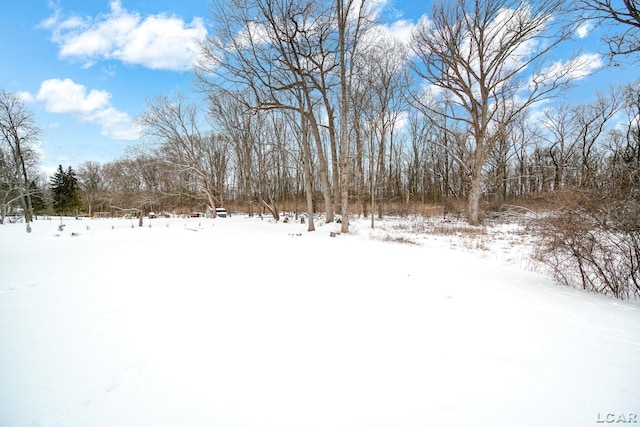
{"type": "Point", "coordinates": [73, 190]}
{"type": "Point", "coordinates": [37, 198]}
{"type": "Point", "coordinates": [56, 184]}
{"type": "Point", "coordinates": [65, 190]}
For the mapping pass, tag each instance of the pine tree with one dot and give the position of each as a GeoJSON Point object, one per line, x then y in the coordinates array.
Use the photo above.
{"type": "Point", "coordinates": [37, 198]}
{"type": "Point", "coordinates": [65, 190]}
{"type": "Point", "coordinates": [56, 184]}
{"type": "Point", "coordinates": [72, 190]}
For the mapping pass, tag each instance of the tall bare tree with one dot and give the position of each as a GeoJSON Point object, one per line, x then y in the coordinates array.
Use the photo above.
{"type": "Point", "coordinates": [352, 20]}
{"type": "Point", "coordinates": [19, 133]}
{"type": "Point", "coordinates": [489, 58]}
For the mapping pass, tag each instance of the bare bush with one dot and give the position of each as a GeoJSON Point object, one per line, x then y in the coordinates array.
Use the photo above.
{"type": "Point", "coordinates": [593, 242]}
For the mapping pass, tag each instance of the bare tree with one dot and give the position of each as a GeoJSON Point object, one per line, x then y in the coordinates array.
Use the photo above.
{"type": "Point", "coordinates": [572, 134]}
{"type": "Point", "coordinates": [592, 120]}
{"type": "Point", "coordinates": [442, 147]}
{"type": "Point", "coordinates": [418, 156]}
{"type": "Point", "coordinates": [256, 144]}
{"type": "Point", "coordinates": [19, 133]}
{"type": "Point", "coordinates": [380, 85]}
{"type": "Point", "coordinates": [92, 184]}
{"type": "Point", "coordinates": [352, 20]}
{"type": "Point", "coordinates": [228, 114]}
{"type": "Point", "coordinates": [277, 52]}
{"type": "Point", "coordinates": [561, 144]}
{"type": "Point", "coordinates": [488, 58]}
{"type": "Point", "coordinates": [524, 137]}
{"type": "Point", "coordinates": [175, 124]}
{"type": "Point", "coordinates": [624, 147]}
{"type": "Point", "coordinates": [10, 185]}
{"type": "Point", "coordinates": [306, 164]}
{"type": "Point", "coordinates": [123, 186]}
{"type": "Point", "coordinates": [294, 56]}
{"type": "Point", "coordinates": [499, 159]}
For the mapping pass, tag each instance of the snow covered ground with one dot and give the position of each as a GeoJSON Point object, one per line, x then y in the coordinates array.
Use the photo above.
{"type": "Point", "coordinates": [240, 322]}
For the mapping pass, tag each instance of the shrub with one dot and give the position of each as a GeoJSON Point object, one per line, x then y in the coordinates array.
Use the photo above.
{"type": "Point", "coordinates": [593, 242]}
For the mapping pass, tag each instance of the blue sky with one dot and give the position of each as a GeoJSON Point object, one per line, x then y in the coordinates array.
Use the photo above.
{"type": "Point", "coordinates": [86, 68]}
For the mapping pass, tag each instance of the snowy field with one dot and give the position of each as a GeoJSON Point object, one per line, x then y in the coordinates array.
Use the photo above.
{"type": "Point", "coordinates": [240, 322]}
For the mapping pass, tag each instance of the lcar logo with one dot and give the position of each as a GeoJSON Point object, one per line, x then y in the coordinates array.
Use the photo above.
{"type": "Point", "coordinates": [610, 418]}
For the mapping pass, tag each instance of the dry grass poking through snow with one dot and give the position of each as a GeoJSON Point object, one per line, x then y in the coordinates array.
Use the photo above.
{"type": "Point", "coordinates": [509, 241]}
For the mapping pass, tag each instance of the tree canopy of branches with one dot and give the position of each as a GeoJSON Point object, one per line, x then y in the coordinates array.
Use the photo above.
{"type": "Point", "coordinates": [623, 19]}
{"type": "Point", "coordinates": [298, 57]}
{"type": "Point", "coordinates": [92, 184]}
{"type": "Point", "coordinates": [175, 125]}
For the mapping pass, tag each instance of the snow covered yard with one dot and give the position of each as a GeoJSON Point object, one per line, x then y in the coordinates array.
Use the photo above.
{"type": "Point", "coordinates": [249, 323]}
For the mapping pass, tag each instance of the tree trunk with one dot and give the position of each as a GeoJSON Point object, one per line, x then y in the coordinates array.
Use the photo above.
{"type": "Point", "coordinates": [475, 191]}
{"type": "Point", "coordinates": [335, 167]}
{"type": "Point", "coordinates": [25, 197]}
{"type": "Point", "coordinates": [344, 185]}
{"type": "Point", "coordinates": [324, 169]}
{"type": "Point", "coordinates": [308, 180]}
{"type": "Point", "coordinates": [271, 208]}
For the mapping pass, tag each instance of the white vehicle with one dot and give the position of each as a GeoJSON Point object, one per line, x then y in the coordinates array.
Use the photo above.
{"type": "Point", "coordinates": [221, 212]}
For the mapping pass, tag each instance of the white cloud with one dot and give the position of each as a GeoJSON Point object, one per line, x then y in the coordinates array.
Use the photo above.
{"type": "Point", "coordinates": [67, 97]}
{"type": "Point", "coordinates": [399, 30]}
{"type": "Point", "coordinates": [26, 97]}
{"type": "Point", "coordinates": [115, 124]}
{"type": "Point", "coordinates": [584, 30]}
{"type": "Point", "coordinates": [587, 64]}
{"type": "Point", "coordinates": [155, 41]}
{"type": "Point", "coordinates": [572, 70]}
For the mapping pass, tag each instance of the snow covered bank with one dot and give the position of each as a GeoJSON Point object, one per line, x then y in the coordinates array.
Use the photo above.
{"type": "Point", "coordinates": [242, 322]}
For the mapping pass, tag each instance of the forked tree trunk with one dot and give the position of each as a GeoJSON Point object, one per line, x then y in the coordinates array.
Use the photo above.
{"type": "Point", "coordinates": [271, 207]}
